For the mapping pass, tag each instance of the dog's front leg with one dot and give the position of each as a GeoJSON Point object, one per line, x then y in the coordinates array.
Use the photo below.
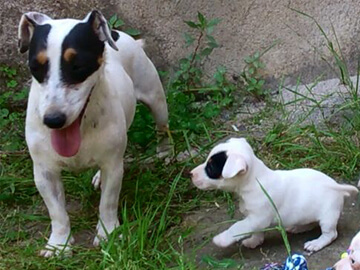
{"type": "Point", "coordinates": [241, 230]}
{"type": "Point", "coordinates": [51, 189]}
{"type": "Point", "coordinates": [111, 180]}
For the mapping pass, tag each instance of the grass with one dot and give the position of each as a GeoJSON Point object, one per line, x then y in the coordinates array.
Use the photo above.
{"type": "Point", "coordinates": [157, 198]}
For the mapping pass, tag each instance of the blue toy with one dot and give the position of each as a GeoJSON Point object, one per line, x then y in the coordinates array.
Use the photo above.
{"type": "Point", "coordinates": [294, 262]}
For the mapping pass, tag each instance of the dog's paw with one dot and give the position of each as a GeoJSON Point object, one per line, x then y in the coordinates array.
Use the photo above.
{"type": "Point", "coordinates": [52, 249]}
{"type": "Point", "coordinates": [59, 251]}
{"type": "Point", "coordinates": [99, 238]}
{"type": "Point", "coordinates": [223, 240]}
{"type": "Point", "coordinates": [313, 246]}
{"type": "Point", "coordinates": [96, 181]}
{"type": "Point", "coordinates": [164, 148]}
{"type": "Point", "coordinates": [254, 241]}
{"type": "Point", "coordinates": [105, 229]}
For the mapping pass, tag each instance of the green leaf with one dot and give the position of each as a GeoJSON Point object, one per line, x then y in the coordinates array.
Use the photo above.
{"type": "Point", "coordinates": [113, 19]}
{"type": "Point", "coordinates": [253, 80]}
{"type": "Point", "coordinates": [209, 30]}
{"type": "Point", "coordinates": [119, 23]}
{"type": "Point", "coordinates": [11, 84]}
{"type": "Point", "coordinates": [189, 39]}
{"type": "Point", "coordinates": [213, 22]}
{"type": "Point", "coordinates": [132, 32]}
{"type": "Point", "coordinates": [221, 69]}
{"type": "Point", "coordinates": [202, 19]}
{"type": "Point", "coordinates": [212, 45]}
{"type": "Point", "coordinates": [192, 24]}
{"type": "Point", "coordinates": [248, 60]}
{"type": "Point", "coordinates": [211, 38]}
{"type": "Point", "coordinates": [206, 51]}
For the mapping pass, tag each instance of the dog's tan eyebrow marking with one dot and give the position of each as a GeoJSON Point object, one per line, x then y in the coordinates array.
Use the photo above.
{"type": "Point", "coordinates": [69, 54]}
{"type": "Point", "coordinates": [41, 57]}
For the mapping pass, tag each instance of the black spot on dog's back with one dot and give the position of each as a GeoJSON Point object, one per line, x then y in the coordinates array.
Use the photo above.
{"type": "Point", "coordinates": [38, 60]}
{"type": "Point", "coordinates": [115, 35]}
{"type": "Point", "coordinates": [215, 165]}
{"type": "Point", "coordinates": [83, 40]}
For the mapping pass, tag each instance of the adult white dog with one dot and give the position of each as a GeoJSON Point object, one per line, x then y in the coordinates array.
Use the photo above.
{"type": "Point", "coordinates": [86, 80]}
{"type": "Point", "coordinates": [303, 197]}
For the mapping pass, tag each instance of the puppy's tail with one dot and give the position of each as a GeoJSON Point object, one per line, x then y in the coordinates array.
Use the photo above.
{"type": "Point", "coordinates": [348, 190]}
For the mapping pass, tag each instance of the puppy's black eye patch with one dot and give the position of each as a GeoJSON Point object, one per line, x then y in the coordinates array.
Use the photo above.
{"type": "Point", "coordinates": [215, 165]}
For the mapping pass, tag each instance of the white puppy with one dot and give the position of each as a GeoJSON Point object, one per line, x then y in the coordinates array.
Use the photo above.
{"type": "Point", "coordinates": [352, 261]}
{"type": "Point", "coordinates": [86, 80]}
{"type": "Point", "coordinates": [302, 196]}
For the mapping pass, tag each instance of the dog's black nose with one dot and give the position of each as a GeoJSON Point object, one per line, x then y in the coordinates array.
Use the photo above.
{"type": "Point", "coordinates": [55, 120]}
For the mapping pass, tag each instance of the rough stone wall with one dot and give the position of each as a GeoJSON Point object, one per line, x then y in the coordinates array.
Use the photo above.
{"type": "Point", "coordinates": [246, 27]}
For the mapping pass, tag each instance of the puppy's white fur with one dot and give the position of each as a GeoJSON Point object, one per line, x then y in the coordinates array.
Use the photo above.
{"type": "Point", "coordinates": [302, 196]}
{"type": "Point", "coordinates": [125, 76]}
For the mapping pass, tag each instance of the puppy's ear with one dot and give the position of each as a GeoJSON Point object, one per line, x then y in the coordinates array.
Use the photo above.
{"type": "Point", "coordinates": [101, 28]}
{"type": "Point", "coordinates": [355, 242]}
{"type": "Point", "coordinates": [27, 24]}
{"type": "Point", "coordinates": [234, 164]}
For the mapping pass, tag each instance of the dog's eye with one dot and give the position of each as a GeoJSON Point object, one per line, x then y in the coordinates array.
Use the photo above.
{"type": "Point", "coordinates": [215, 165]}
{"type": "Point", "coordinates": [39, 71]}
{"type": "Point", "coordinates": [78, 67]}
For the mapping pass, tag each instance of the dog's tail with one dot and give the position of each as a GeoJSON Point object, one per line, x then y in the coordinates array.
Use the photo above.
{"type": "Point", "coordinates": [141, 42]}
{"type": "Point", "coordinates": [348, 190]}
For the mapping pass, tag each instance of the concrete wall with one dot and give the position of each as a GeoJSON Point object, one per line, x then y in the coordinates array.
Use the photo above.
{"type": "Point", "coordinates": [246, 27]}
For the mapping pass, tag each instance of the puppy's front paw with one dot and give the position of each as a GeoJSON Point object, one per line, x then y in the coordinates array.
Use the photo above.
{"type": "Point", "coordinates": [224, 240]}
{"type": "Point", "coordinates": [254, 241]}
{"type": "Point", "coordinates": [313, 246]}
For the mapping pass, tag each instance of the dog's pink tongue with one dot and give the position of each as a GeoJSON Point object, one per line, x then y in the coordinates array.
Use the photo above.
{"type": "Point", "coordinates": [66, 141]}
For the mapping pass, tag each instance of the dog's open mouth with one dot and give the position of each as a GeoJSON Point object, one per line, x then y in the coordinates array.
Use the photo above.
{"type": "Point", "coordinates": [66, 141]}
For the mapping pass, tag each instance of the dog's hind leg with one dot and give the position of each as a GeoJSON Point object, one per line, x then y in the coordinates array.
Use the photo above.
{"type": "Point", "coordinates": [328, 234]}
{"type": "Point", "coordinates": [51, 189]}
{"type": "Point", "coordinates": [111, 180]}
{"type": "Point", "coordinates": [155, 100]}
{"type": "Point", "coordinates": [149, 91]}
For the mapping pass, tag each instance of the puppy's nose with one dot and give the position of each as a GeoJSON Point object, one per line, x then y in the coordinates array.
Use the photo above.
{"type": "Point", "coordinates": [55, 120]}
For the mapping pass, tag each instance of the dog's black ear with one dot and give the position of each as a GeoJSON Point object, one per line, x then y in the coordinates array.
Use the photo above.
{"type": "Point", "coordinates": [101, 28]}
{"type": "Point", "coordinates": [27, 24]}
{"type": "Point", "coordinates": [234, 164]}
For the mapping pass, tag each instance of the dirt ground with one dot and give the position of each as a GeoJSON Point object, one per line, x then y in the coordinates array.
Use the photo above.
{"type": "Point", "coordinates": [273, 249]}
